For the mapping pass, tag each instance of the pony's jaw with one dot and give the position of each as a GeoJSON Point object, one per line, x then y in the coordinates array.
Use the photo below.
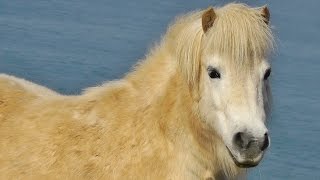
{"type": "Point", "coordinates": [245, 162]}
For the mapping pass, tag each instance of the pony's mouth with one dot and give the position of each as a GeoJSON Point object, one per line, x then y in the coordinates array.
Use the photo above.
{"type": "Point", "coordinates": [244, 162]}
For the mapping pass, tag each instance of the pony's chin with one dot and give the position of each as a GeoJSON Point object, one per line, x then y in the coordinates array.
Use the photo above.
{"type": "Point", "coordinates": [246, 162]}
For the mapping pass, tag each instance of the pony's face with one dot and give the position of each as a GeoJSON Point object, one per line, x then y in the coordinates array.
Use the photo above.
{"type": "Point", "coordinates": [234, 86]}
{"type": "Point", "coordinates": [235, 102]}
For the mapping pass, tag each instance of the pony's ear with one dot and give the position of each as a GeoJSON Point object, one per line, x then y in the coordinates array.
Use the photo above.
{"type": "Point", "coordinates": [265, 14]}
{"type": "Point", "coordinates": [208, 18]}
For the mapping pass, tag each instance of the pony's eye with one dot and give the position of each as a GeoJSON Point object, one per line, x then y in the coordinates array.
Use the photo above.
{"type": "Point", "coordinates": [213, 73]}
{"type": "Point", "coordinates": [267, 74]}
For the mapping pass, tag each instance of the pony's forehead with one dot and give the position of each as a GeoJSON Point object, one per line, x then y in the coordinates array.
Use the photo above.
{"type": "Point", "coordinates": [224, 62]}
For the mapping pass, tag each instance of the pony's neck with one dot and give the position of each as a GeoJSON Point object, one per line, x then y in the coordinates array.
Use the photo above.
{"type": "Point", "coordinates": [162, 87]}
{"type": "Point", "coordinates": [151, 76]}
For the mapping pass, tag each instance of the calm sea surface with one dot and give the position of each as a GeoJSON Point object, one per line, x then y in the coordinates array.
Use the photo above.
{"type": "Point", "coordinates": [73, 44]}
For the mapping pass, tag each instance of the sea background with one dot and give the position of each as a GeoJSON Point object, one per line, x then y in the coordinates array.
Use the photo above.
{"type": "Point", "coordinates": [68, 45]}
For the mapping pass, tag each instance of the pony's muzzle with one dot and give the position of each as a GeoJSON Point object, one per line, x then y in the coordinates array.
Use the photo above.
{"type": "Point", "coordinates": [245, 141]}
{"type": "Point", "coordinates": [250, 149]}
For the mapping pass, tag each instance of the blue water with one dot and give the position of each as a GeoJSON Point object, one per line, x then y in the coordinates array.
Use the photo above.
{"type": "Point", "coordinates": [70, 45]}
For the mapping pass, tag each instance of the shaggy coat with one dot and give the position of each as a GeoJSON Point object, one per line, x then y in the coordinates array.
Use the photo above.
{"type": "Point", "coordinates": [144, 126]}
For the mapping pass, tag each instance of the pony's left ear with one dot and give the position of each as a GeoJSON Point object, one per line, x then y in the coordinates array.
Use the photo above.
{"type": "Point", "coordinates": [265, 14]}
{"type": "Point", "coordinates": [208, 18]}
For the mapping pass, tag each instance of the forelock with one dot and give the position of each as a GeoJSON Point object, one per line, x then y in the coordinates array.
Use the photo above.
{"type": "Point", "coordinates": [240, 34]}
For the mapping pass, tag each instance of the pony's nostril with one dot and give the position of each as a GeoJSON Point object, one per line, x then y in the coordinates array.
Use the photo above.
{"type": "Point", "coordinates": [240, 140]}
{"type": "Point", "coordinates": [265, 142]}
{"type": "Point", "coordinates": [246, 141]}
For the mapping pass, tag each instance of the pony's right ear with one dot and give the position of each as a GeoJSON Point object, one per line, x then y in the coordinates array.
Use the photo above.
{"type": "Point", "coordinates": [208, 18]}
{"type": "Point", "coordinates": [265, 14]}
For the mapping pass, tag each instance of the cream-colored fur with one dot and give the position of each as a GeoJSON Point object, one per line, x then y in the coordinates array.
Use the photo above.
{"type": "Point", "coordinates": [145, 126]}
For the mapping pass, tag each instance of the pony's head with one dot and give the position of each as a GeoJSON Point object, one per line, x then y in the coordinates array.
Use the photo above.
{"type": "Point", "coordinates": [222, 54]}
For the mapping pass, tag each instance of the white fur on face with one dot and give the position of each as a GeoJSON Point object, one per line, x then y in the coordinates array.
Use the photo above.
{"type": "Point", "coordinates": [235, 102]}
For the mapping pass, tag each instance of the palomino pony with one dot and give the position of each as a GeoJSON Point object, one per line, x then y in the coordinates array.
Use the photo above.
{"type": "Point", "coordinates": [195, 108]}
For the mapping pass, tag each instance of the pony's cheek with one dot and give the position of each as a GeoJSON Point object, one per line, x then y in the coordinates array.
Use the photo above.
{"type": "Point", "coordinates": [222, 126]}
{"type": "Point", "coordinates": [215, 100]}
{"type": "Point", "coordinates": [218, 98]}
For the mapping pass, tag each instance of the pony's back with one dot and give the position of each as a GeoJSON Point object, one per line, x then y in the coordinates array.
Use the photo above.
{"type": "Point", "coordinates": [16, 93]}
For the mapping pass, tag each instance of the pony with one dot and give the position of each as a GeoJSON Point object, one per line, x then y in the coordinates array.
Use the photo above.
{"type": "Point", "coordinates": [195, 108]}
